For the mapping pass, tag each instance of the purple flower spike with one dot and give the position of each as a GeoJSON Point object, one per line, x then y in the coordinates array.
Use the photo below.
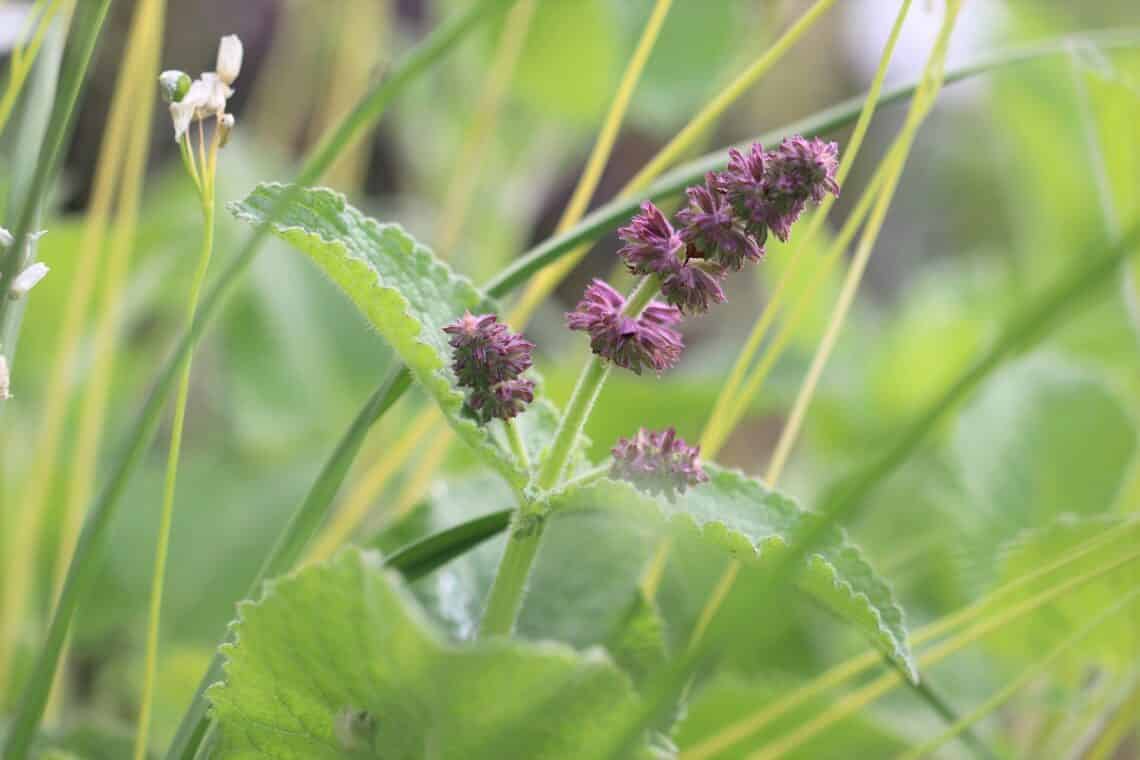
{"type": "Point", "coordinates": [488, 358]}
{"type": "Point", "coordinates": [651, 243]}
{"type": "Point", "coordinates": [798, 171]}
{"type": "Point", "coordinates": [711, 230]}
{"type": "Point", "coordinates": [693, 286]}
{"type": "Point", "coordinates": [648, 340]}
{"type": "Point", "coordinates": [660, 462]}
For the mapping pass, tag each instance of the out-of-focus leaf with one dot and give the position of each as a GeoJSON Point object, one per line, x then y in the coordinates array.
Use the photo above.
{"type": "Point", "coordinates": [1042, 438]}
{"type": "Point", "coordinates": [406, 293]}
{"type": "Point", "coordinates": [1114, 643]}
{"type": "Point", "coordinates": [755, 525]}
{"type": "Point", "coordinates": [569, 64]}
{"type": "Point", "coordinates": [728, 700]}
{"type": "Point", "coordinates": [336, 661]}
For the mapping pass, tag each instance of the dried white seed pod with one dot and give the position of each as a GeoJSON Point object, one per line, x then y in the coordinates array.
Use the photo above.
{"type": "Point", "coordinates": [225, 126]}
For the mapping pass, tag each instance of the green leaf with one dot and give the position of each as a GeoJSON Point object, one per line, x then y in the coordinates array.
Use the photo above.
{"type": "Point", "coordinates": [1041, 438]}
{"type": "Point", "coordinates": [755, 525]}
{"type": "Point", "coordinates": [403, 290]}
{"type": "Point", "coordinates": [336, 661]}
{"type": "Point", "coordinates": [1112, 643]}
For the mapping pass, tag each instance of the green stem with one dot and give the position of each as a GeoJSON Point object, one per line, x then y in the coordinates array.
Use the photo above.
{"type": "Point", "coordinates": [162, 549]}
{"type": "Point", "coordinates": [506, 595]}
{"type": "Point", "coordinates": [518, 447]}
{"type": "Point", "coordinates": [590, 382]}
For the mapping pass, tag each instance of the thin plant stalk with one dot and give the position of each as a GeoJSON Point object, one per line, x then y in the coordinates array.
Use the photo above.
{"type": "Point", "coordinates": [464, 173]}
{"type": "Point", "coordinates": [864, 696]}
{"type": "Point", "coordinates": [856, 666]}
{"type": "Point", "coordinates": [1119, 728]}
{"type": "Point", "coordinates": [858, 265]}
{"type": "Point", "coordinates": [1023, 679]}
{"type": "Point", "coordinates": [729, 390]}
{"type": "Point", "coordinates": [208, 175]}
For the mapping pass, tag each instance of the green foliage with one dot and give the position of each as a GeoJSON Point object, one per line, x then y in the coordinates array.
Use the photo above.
{"type": "Point", "coordinates": [336, 661]}
{"type": "Point", "coordinates": [1113, 643]}
{"type": "Point", "coordinates": [1041, 438]}
{"type": "Point", "coordinates": [754, 525]}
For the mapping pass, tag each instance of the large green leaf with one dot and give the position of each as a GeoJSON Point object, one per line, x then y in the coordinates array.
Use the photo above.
{"type": "Point", "coordinates": [746, 520]}
{"type": "Point", "coordinates": [336, 661]}
{"type": "Point", "coordinates": [405, 292]}
{"type": "Point", "coordinates": [1041, 439]}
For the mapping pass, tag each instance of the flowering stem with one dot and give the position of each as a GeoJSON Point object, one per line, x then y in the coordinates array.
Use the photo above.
{"type": "Point", "coordinates": [586, 392]}
{"type": "Point", "coordinates": [506, 595]}
{"type": "Point", "coordinates": [517, 445]}
{"type": "Point", "coordinates": [162, 547]}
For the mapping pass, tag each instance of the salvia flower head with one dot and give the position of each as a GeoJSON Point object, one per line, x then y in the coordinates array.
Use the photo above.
{"type": "Point", "coordinates": [648, 340]}
{"type": "Point", "coordinates": [660, 463]}
{"type": "Point", "coordinates": [488, 359]}
{"type": "Point", "coordinates": [651, 244]}
{"type": "Point", "coordinates": [797, 171]}
{"type": "Point", "coordinates": [694, 285]}
{"type": "Point", "coordinates": [743, 185]}
{"type": "Point", "coordinates": [712, 229]}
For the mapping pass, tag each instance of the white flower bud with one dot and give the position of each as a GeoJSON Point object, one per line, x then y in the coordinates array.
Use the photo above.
{"type": "Point", "coordinates": [6, 238]}
{"type": "Point", "coordinates": [229, 58]}
{"type": "Point", "coordinates": [4, 380]}
{"type": "Point", "coordinates": [173, 85]}
{"type": "Point", "coordinates": [27, 279]}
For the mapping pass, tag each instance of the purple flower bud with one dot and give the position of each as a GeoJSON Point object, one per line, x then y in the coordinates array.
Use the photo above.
{"type": "Point", "coordinates": [647, 340]}
{"type": "Point", "coordinates": [798, 171]}
{"type": "Point", "coordinates": [711, 229]}
{"type": "Point", "coordinates": [488, 358]}
{"type": "Point", "coordinates": [742, 184]}
{"type": "Point", "coordinates": [660, 462]}
{"type": "Point", "coordinates": [502, 400]}
{"type": "Point", "coordinates": [652, 245]}
{"type": "Point", "coordinates": [486, 351]}
{"type": "Point", "coordinates": [693, 285]}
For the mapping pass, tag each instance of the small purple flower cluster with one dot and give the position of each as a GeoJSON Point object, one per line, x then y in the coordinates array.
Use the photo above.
{"type": "Point", "coordinates": [631, 342]}
{"type": "Point", "coordinates": [487, 359]}
{"type": "Point", "coordinates": [660, 463]}
{"type": "Point", "coordinates": [725, 225]}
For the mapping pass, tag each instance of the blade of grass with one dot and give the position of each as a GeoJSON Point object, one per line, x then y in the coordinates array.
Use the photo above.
{"type": "Point", "coordinates": [84, 30]}
{"type": "Point", "coordinates": [464, 179]}
{"type": "Point", "coordinates": [713, 436]}
{"type": "Point", "coordinates": [424, 556]}
{"type": "Point", "coordinates": [856, 666]}
{"type": "Point", "coordinates": [24, 55]}
{"type": "Point", "coordinates": [85, 559]}
{"type": "Point", "coordinates": [1122, 725]}
{"type": "Point", "coordinates": [864, 696]}
{"type": "Point", "coordinates": [1027, 676]}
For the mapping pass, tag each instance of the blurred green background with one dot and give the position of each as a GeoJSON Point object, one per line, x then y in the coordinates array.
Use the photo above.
{"type": "Point", "coordinates": [1000, 192]}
